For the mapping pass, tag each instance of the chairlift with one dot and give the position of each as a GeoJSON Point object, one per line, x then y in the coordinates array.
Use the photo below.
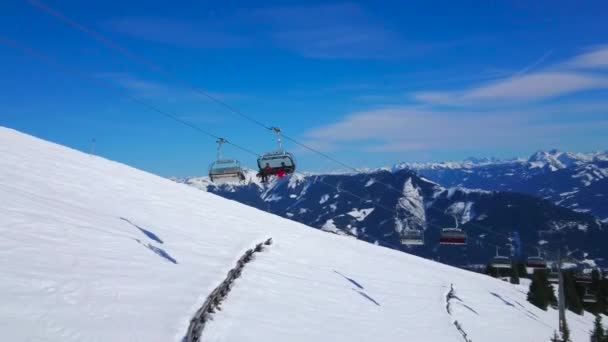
{"type": "Point", "coordinates": [278, 159]}
{"type": "Point", "coordinates": [553, 277]}
{"type": "Point", "coordinates": [536, 262]}
{"type": "Point", "coordinates": [453, 236]}
{"type": "Point", "coordinates": [412, 237]}
{"type": "Point", "coordinates": [500, 261]}
{"type": "Point", "coordinates": [225, 170]}
{"type": "Point", "coordinates": [589, 297]}
{"type": "Point", "coordinates": [584, 279]}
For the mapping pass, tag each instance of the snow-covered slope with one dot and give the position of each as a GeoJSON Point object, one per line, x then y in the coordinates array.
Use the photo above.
{"type": "Point", "coordinates": [92, 250]}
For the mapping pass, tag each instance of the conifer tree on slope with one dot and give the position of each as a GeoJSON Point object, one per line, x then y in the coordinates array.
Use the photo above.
{"type": "Point", "coordinates": [573, 301]}
{"type": "Point", "coordinates": [541, 292]}
{"type": "Point", "coordinates": [514, 279]}
{"type": "Point", "coordinates": [598, 334]}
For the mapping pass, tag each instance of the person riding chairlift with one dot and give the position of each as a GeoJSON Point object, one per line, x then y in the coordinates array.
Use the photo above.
{"type": "Point", "coordinates": [265, 172]}
{"type": "Point", "coordinates": [282, 170]}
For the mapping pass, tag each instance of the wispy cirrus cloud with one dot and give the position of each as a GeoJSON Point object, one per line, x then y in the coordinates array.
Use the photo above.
{"type": "Point", "coordinates": [534, 86]}
{"type": "Point", "coordinates": [411, 128]}
{"type": "Point", "coordinates": [560, 79]}
{"type": "Point", "coordinates": [322, 31]}
{"type": "Point", "coordinates": [332, 31]}
{"type": "Point", "coordinates": [144, 88]}
{"type": "Point", "coordinates": [595, 58]}
{"type": "Point", "coordinates": [137, 86]}
{"type": "Point", "coordinates": [179, 32]}
{"type": "Point", "coordinates": [469, 121]}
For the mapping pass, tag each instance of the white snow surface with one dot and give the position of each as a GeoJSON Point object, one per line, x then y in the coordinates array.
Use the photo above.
{"type": "Point", "coordinates": [73, 270]}
{"type": "Point", "coordinates": [360, 215]}
{"type": "Point", "coordinates": [462, 210]}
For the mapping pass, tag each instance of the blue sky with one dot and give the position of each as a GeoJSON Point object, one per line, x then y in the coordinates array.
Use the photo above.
{"type": "Point", "coordinates": [372, 83]}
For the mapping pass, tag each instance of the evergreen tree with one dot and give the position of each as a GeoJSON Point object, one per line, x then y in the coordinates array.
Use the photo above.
{"type": "Point", "coordinates": [555, 338]}
{"type": "Point", "coordinates": [514, 279]}
{"type": "Point", "coordinates": [598, 334]}
{"type": "Point", "coordinates": [602, 297]}
{"type": "Point", "coordinates": [573, 300]}
{"type": "Point", "coordinates": [521, 269]}
{"type": "Point", "coordinates": [491, 271]}
{"type": "Point", "coordinates": [595, 280]}
{"type": "Point", "coordinates": [540, 292]}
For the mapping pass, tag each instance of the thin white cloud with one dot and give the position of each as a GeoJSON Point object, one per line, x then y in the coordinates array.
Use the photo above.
{"type": "Point", "coordinates": [536, 86]}
{"type": "Point", "coordinates": [533, 86]}
{"type": "Point", "coordinates": [559, 80]}
{"type": "Point", "coordinates": [535, 64]}
{"type": "Point", "coordinates": [344, 30]}
{"type": "Point", "coordinates": [595, 58]}
{"type": "Point", "coordinates": [180, 32]}
{"type": "Point", "coordinates": [137, 86]}
{"type": "Point", "coordinates": [153, 89]}
{"type": "Point", "coordinates": [406, 129]}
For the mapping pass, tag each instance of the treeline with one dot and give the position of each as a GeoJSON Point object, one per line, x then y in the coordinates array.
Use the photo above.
{"type": "Point", "coordinates": [590, 295]}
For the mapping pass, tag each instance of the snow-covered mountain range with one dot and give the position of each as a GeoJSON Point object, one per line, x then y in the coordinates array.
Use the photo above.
{"type": "Point", "coordinates": [94, 250]}
{"type": "Point", "coordinates": [380, 206]}
{"type": "Point", "coordinates": [575, 180]}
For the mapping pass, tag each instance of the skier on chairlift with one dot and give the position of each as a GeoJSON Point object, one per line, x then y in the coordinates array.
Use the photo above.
{"type": "Point", "coordinates": [282, 170]}
{"type": "Point", "coordinates": [265, 172]}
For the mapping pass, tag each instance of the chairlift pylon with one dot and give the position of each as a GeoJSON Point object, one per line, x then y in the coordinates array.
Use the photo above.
{"type": "Point", "coordinates": [225, 170]}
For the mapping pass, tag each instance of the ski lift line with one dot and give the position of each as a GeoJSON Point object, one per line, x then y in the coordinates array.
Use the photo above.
{"type": "Point", "coordinates": [102, 84]}
{"type": "Point", "coordinates": [174, 117]}
{"type": "Point", "coordinates": [111, 44]}
{"type": "Point", "coordinates": [33, 53]}
{"type": "Point", "coordinates": [139, 59]}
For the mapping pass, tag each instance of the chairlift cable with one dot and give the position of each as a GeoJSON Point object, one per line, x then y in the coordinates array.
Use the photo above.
{"type": "Point", "coordinates": [62, 67]}
{"type": "Point", "coordinates": [153, 66]}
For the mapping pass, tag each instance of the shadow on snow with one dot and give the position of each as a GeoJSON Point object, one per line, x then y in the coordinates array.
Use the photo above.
{"type": "Point", "coordinates": [158, 251]}
{"type": "Point", "coordinates": [146, 232]}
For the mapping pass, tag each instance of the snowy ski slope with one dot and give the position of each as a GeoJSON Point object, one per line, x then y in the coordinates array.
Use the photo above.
{"type": "Point", "coordinates": [93, 250]}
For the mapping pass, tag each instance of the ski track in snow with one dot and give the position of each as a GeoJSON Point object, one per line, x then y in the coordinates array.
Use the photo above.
{"type": "Point", "coordinates": [72, 270]}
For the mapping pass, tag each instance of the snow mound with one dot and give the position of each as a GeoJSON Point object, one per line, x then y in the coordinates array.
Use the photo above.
{"type": "Point", "coordinates": [93, 250]}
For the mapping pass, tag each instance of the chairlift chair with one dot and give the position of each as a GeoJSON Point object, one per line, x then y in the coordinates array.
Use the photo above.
{"type": "Point", "coordinates": [453, 236]}
{"type": "Point", "coordinates": [536, 262]}
{"type": "Point", "coordinates": [553, 277]}
{"type": "Point", "coordinates": [589, 297]}
{"type": "Point", "coordinates": [500, 261]}
{"type": "Point", "coordinates": [279, 158]}
{"type": "Point", "coordinates": [412, 237]}
{"type": "Point", "coordinates": [225, 170]}
{"type": "Point", "coordinates": [584, 279]}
